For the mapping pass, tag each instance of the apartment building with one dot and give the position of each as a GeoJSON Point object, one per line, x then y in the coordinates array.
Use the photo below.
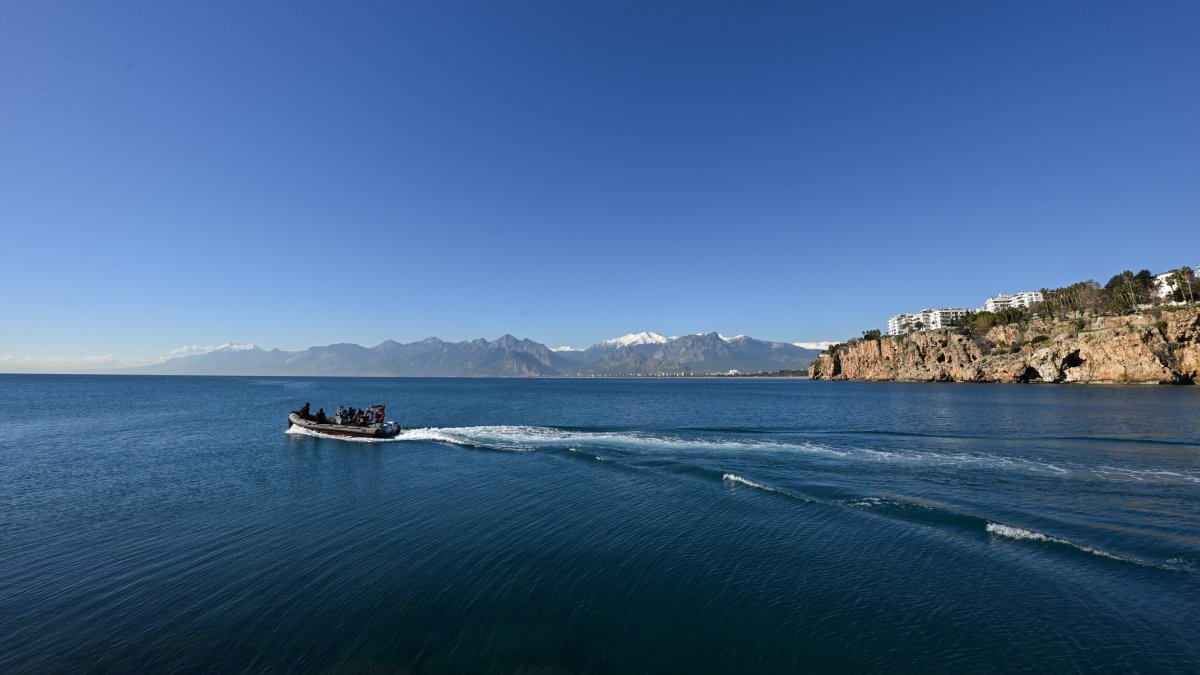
{"type": "Point", "coordinates": [1003, 301]}
{"type": "Point", "coordinates": [1164, 287]}
{"type": "Point", "coordinates": [926, 319]}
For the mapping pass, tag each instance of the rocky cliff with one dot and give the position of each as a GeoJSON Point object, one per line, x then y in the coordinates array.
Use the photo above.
{"type": "Point", "coordinates": [1160, 347]}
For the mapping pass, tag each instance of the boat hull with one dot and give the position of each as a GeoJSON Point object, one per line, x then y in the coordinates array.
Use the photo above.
{"type": "Point", "coordinates": [386, 430]}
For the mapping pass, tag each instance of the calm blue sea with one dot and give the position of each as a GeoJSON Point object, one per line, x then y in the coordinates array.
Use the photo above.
{"type": "Point", "coordinates": [598, 526]}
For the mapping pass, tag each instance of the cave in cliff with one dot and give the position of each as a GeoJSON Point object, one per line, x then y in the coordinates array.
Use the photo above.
{"type": "Point", "coordinates": [1072, 360]}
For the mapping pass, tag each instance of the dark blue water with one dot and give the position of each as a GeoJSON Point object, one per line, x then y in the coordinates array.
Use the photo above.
{"type": "Point", "coordinates": [598, 526]}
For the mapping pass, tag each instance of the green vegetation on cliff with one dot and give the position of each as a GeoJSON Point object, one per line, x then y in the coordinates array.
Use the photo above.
{"type": "Point", "coordinates": [1158, 346]}
{"type": "Point", "coordinates": [1125, 329]}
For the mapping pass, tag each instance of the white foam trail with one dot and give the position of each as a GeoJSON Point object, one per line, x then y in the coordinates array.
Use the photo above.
{"type": "Point", "coordinates": [734, 478]}
{"type": "Point", "coordinates": [525, 438]}
{"type": "Point", "coordinates": [1021, 533]}
{"type": "Point", "coordinates": [518, 438]}
{"type": "Point", "coordinates": [431, 434]}
{"type": "Point", "coordinates": [1144, 475]}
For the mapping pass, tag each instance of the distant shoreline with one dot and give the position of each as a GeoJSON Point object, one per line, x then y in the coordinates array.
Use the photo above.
{"type": "Point", "coordinates": [783, 375]}
{"type": "Point", "coordinates": [680, 376]}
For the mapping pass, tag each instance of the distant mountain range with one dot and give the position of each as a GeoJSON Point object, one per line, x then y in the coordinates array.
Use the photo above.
{"type": "Point", "coordinates": [506, 356]}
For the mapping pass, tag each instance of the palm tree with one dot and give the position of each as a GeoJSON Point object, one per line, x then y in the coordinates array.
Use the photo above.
{"type": "Point", "coordinates": [1183, 282]}
{"type": "Point", "coordinates": [1122, 285]}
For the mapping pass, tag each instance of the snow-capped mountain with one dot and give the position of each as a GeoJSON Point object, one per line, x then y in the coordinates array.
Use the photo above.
{"type": "Point", "coordinates": [633, 339]}
{"type": "Point", "coordinates": [187, 350]}
{"type": "Point", "coordinates": [506, 356]}
{"type": "Point", "coordinates": [702, 353]}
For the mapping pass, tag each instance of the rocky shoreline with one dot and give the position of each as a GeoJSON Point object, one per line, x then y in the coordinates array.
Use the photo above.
{"type": "Point", "coordinates": [1160, 346]}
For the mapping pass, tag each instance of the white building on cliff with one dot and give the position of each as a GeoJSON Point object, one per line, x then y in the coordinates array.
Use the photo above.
{"type": "Point", "coordinates": [926, 319]}
{"type": "Point", "coordinates": [1019, 301]}
{"type": "Point", "coordinates": [1164, 285]}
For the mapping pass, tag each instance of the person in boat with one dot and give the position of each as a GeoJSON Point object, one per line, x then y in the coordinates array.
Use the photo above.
{"type": "Point", "coordinates": [304, 412]}
{"type": "Point", "coordinates": [340, 416]}
{"type": "Point", "coordinates": [321, 419]}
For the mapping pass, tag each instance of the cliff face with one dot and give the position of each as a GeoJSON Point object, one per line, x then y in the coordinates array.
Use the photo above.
{"type": "Point", "coordinates": [1139, 349]}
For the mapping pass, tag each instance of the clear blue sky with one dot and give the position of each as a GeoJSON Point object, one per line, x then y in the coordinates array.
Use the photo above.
{"type": "Point", "coordinates": [293, 174]}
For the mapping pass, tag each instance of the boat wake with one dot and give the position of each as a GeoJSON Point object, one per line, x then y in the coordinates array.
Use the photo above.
{"type": "Point", "coordinates": [518, 438]}
{"type": "Point", "coordinates": [734, 478]}
{"type": "Point", "coordinates": [1008, 531]}
{"type": "Point", "coordinates": [679, 454]}
{"type": "Point", "coordinates": [530, 438]}
{"type": "Point", "coordinates": [932, 514]}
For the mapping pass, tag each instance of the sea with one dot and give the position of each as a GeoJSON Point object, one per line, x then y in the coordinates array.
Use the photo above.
{"type": "Point", "coordinates": [728, 525]}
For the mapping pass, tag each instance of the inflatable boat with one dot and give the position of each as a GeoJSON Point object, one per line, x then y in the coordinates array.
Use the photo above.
{"type": "Point", "coordinates": [377, 428]}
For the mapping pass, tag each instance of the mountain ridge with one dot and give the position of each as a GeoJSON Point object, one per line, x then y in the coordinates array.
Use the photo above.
{"type": "Point", "coordinates": [643, 353]}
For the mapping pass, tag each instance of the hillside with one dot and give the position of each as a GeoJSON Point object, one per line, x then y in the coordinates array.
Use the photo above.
{"type": "Point", "coordinates": [1157, 347]}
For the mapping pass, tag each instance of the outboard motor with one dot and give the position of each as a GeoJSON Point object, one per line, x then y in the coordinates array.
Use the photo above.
{"type": "Point", "coordinates": [388, 429]}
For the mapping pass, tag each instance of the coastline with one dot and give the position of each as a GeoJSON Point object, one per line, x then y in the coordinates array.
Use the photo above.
{"type": "Point", "coordinates": [1158, 346]}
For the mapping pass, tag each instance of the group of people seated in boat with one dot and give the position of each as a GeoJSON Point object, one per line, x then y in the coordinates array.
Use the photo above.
{"type": "Point", "coordinates": [345, 416]}
{"type": "Point", "coordinates": [358, 417]}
